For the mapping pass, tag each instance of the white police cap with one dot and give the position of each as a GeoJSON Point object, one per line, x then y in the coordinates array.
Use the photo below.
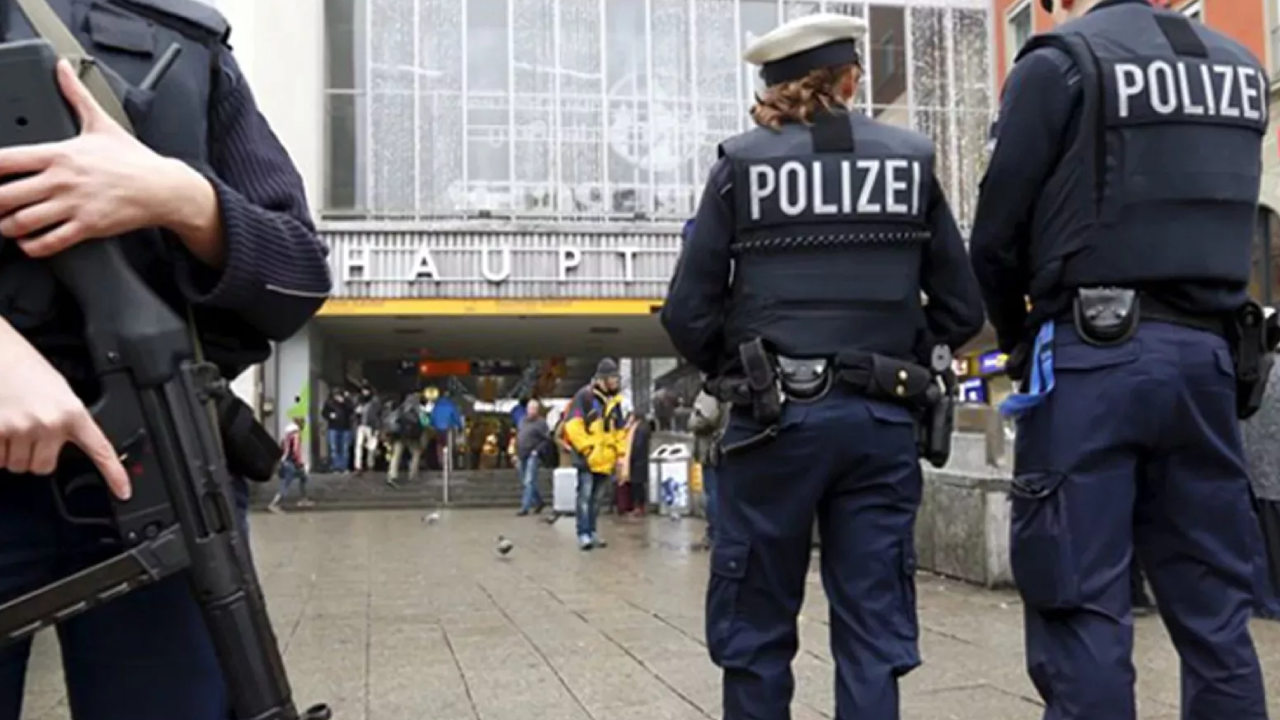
{"type": "Point", "coordinates": [805, 44]}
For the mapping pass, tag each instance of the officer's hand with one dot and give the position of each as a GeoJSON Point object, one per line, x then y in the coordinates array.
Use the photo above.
{"type": "Point", "coordinates": [101, 183]}
{"type": "Point", "coordinates": [39, 414]}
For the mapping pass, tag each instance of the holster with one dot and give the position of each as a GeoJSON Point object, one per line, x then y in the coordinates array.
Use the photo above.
{"type": "Point", "coordinates": [893, 379]}
{"type": "Point", "coordinates": [804, 380]}
{"type": "Point", "coordinates": [763, 381]}
{"type": "Point", "coordinates": [715, 453]}
{"type": "Point", "coordinates": [1106, 316]}
{"type": "Point", "coordinates": [251, 451]}
{"type": "Point", "coordinates": [934, 442]}
{"type": "Point", "coordinates": [1253, 338]}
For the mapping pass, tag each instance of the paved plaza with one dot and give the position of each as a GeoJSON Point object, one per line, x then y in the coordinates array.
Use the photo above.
{"type": "Point", "coordinates": [387, 617]}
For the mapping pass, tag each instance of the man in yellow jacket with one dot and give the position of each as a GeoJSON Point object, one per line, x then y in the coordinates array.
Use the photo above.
{"type": "Point", "coordinates": [595, 429]}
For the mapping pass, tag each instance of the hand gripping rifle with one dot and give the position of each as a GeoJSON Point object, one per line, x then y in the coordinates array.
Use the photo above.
{"type": "Point", "coordinates": [155, 409]}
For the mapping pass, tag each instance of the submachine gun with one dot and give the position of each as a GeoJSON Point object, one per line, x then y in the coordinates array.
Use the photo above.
{"type": "Point", "coordinates": [156, 408]}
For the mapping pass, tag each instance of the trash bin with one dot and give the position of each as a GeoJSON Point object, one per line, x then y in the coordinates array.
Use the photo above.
{"type": "Point", "coordinates": [669, 467]}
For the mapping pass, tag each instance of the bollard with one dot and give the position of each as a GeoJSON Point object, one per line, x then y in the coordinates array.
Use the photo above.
{"type": "Point", "coordinates": [447, 465]}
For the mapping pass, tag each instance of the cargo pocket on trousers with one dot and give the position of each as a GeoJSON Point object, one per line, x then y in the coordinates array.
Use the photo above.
{"type": "Point", "coordinates": [908, 657]}
{"type": "Point", "coordinates": [1041, 549]}
{"type": "Point", "coordinates": [728, 568]}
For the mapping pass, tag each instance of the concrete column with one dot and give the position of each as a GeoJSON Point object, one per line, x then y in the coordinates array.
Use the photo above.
{"type": "Point", "coordinates": [627, 384]}
{"type": "Point", "coordinates": [280, 48]}
{"type": "Point", "coordinates": [642, 385]}
{"type": "Point", "coordinates": [248, 387]}
{"type": "Point", "coordinates": [295, 359]}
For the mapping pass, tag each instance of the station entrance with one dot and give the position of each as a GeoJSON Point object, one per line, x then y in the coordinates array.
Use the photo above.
{"type": "Point", "coordinates": [485, 367]}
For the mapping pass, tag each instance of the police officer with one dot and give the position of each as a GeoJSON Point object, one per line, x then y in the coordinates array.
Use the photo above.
{"type": "Point", "coordinates": [816, 236]}
{"type": "Point", "coordinates": [213, 216]}
{"type": "Point", "coordinates": [1112, 242]}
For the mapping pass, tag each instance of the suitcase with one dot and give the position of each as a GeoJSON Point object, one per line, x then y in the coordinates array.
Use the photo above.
{"type": "Point", "coordinates": [564, 490]}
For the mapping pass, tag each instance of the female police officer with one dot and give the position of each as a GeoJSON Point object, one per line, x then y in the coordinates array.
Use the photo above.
{"type": "Point", "coordinates": [1121, 198]}
{"type": "Point", "coordinates": [212, 214]}
{"type": "Point", "coordinates": [815, 238]}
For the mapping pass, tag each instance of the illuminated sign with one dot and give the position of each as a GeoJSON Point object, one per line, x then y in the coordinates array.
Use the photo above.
{"type": "Point", "coordinates": [973, 391]}
{"type": "Point", "coordinates": [991, 363]}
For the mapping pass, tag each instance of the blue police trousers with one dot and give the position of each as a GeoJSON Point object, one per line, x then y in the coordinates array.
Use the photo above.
{"type": "Point", "coordinates": [1137, 448]}
{"type": "Point", "coordinates": [145, 656]}
{"type": "Point", "coordinates": [851, 462]}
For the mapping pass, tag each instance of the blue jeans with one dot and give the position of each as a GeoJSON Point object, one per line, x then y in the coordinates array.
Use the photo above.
{"type": "Point", "coordinates": [340, 449]}
{"type": "Point", "coordinates": [589, 486]}
{"type": "Point", "coordinates": [145, 656]}
{"type": "Point", "coordinates": [709, 483]}
{"type": "Point", "coordinates": [529, 480]}
{"type": "Point", "coordinates": [289, 472]}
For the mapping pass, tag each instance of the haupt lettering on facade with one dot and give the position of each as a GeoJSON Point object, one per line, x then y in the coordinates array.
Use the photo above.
{"type": "Point", "coordinates": [495, 264]}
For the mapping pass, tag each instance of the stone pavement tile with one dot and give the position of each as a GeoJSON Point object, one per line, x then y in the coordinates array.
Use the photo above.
{"type": "Point", "coordinates": [505, 693]}
{"type": "Point", "coordinates": [949, 663]}
{"type": "Point", "coordinates": [656, 710]}
{"type": "Point", "coordinates": [697, 682]}
{"type": "Point", "coordinates": [980, 701]}
{"type": "Point", "coordinates": [430, 695]}
{"type": "Point", "coordinates": [388, 618]}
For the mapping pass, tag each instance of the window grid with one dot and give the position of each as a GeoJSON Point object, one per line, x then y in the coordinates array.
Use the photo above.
{"type": "Point", "coordinates": [1018, 29]}
{"type": "Point", "coordinates": [460, 115]}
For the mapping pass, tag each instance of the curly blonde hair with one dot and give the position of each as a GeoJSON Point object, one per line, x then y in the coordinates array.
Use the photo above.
{"type": "Point", "coordinates": [799, 100]}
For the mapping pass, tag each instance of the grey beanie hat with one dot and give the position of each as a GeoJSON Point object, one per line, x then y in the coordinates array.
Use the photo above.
{"type": "Point", "coordinates": [607, 368]}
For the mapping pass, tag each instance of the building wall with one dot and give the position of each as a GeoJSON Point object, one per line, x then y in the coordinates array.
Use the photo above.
{"type": "Point", "coordinates": [474, 259]}
{"type": "Point", "coordinates": [583, 111]}
{"type": "Point", "coordinates": [1245, 20]}
{"type": "Point", "coordinates": [279, 47]}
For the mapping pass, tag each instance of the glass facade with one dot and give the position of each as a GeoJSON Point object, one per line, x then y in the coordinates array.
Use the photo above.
{"type": "Point", "coordinates": [606, 109]}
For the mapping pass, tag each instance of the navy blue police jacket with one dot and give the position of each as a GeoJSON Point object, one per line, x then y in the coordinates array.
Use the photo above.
{"type": "Point", "coordinates": [859, 296]}
{"type": "Point", "coordinates": [276, 274]}
{"type": "Point", "coordinates": [1164, 236]}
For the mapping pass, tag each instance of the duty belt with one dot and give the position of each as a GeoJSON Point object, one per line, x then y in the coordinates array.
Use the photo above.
{"type": "Point", "coordinates": [1154, 309]}
{"type": "Point", "coordinates": [879, 377]}
{"type": "Point", "coordinates": [1122, 309]}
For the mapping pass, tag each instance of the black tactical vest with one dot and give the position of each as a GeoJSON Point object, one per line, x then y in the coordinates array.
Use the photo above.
{"type": "Point", "coordinates": [1161, 182]}
{"type": "Point", "coordinates": [126, 37]}
{"type": "Point", "coordinates": [830, 229]}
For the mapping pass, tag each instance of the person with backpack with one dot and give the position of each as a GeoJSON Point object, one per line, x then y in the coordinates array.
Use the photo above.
{"type": "Point", "coordinates": [406, 427]}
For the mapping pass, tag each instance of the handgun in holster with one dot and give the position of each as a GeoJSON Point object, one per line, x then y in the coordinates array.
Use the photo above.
{"type": "Point", "coordinates": [762, 378]}
{"type": "Point", "coordinates": [940, 410]}
{"type": "Point", "coordinates": [1253, 336]}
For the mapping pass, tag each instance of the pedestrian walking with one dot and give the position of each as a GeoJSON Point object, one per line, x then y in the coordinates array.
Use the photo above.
{"type": "Point", "coordinates": [293, 467]}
